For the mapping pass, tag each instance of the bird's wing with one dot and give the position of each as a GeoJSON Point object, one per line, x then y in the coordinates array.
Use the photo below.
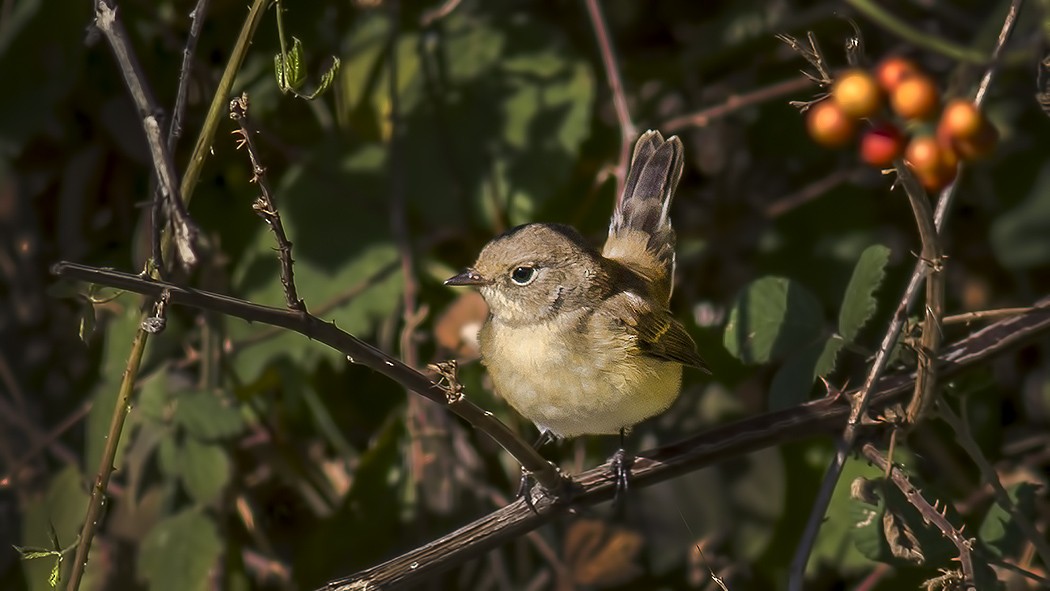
{"type": "Point", "coordinates": [655, 332]}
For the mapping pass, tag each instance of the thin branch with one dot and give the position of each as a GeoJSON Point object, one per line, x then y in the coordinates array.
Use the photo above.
{"type": "Point", "coordinates": [719, 444]}
{"type": "Point", "coordinates": [928, 512]}
{"type": "Point", "coordinates": [264, 204]}
{"type": "Point", "coordinates": [42, 441]}
{"type": "Point", "coordinates": [891, 23]}
{"type": "Point", "coordinates": [932, 260]}
{"type": "Point", "coordinates": [356, 350]}
{"type": "Point", "coordinates": [988, 474]}
{"type": "Point", "coordinates": [109, 453]}
{"type": "Point", "coordinates": [595, 485]}
{"type": "Point", "coordinates": [189, 183]}
{"type": "Point", "coordinates": [335, 303]}
{"type": "Point", "coordinates": [889, 340]}
{"type": "Point", "coordinates": [628, 131]}
{"type": "Point", "coordinates": [184, 230]}
{"type": "Point", "coordinates": [736, 102]}
{"type": "Point", "coordinates": [196, 22]}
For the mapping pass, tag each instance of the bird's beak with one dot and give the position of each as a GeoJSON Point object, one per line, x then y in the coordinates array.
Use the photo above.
{"type": "Point", "coordinates": [467, 277]}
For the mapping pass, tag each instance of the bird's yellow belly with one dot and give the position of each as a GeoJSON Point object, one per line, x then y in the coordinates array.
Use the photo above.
{"type": "Point", "coordinates": [572, 391]}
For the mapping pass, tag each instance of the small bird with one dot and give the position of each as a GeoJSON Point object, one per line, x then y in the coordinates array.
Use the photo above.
{"type": "Point", "coordinates": [581, 342]}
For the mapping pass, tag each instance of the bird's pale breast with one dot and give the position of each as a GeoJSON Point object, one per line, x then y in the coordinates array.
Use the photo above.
{"type": "Point", "coordinates": [591, 388]}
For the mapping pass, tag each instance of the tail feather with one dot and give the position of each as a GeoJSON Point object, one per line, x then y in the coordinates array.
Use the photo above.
{"type": "Point", "coordinates": [640, 234]}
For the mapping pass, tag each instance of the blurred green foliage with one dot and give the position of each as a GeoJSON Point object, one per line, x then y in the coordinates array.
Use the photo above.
{"type": "Point", "coordinates": [259, 459]}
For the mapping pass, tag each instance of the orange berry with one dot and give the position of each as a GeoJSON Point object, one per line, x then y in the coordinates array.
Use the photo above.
{"type": "Point", "coordinates": [881, 145]}
{"type": "Point", "coordinates": [857, 93]}
{"type": "Point", "coordinates": [916, 97]}
{"type": "Point", "coordinates": [967, 130]}
{"type": "Point", "coordinates": [893, 70]}
{"type": "Point", "coordinates": [960, 119]}
{"type": "Point", "coordinates": [934, 163]}
{"type": "Point", "coordinates": [828, 125]}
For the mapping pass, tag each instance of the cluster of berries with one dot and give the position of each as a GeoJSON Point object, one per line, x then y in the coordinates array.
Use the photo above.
{"type": "Point", "coordinates": [931, 147]}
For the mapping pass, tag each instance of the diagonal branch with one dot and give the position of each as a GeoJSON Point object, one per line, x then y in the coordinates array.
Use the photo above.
{"type": "Point", "coordinates": [889, 340]}
{"type": "Point", "coordinates": [628, 132]}
{"type": "Point", "coordinates": [595, 485]}
{"type": "Point", "coordinates": [812, 419]}
{"type": "Point", "coordinates": [356, 350]}
{"type": "Point", "coordinates": [184, 230]}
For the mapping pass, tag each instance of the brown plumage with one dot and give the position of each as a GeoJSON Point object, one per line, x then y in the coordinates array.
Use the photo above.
{"type": "Point", "coordinates": [581, 341]}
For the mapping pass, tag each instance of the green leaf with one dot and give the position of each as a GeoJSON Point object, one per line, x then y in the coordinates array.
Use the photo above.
{"type": "Point", "coordinates": [771, 318]}
{"type": "Point", "coordinates": [207, 416]}
{"type": "Point", "coordinates": [327, 77]}
{"type": "Point", "coordinates": [295, 69]}
{"type": "Point", "coordinates": [180, 552]}
{"type": "Point", "coordinates": [826, 363]}
{"type": "Point", "coordinates": [54, 519]}
{"type": "Point", "coordinates": [859, 303]}
{"type": "Point", "coordinates": [205, 470]}
{"type": "Point", "coordinates": [999, 531]}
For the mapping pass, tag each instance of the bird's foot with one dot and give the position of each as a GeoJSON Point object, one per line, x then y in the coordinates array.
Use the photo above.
{"type": "Point", "coordinates": [620, 466]}
{"type": "Point", "coordinates": [564, 492]}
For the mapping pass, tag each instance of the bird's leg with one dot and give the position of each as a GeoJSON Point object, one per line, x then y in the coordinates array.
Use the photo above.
{"type": "Point", "coordinates": [525, 486]}
{"type": "Point", "coordinates": [620, 465]}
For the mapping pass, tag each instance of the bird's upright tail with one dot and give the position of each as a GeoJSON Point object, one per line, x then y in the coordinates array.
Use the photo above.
{"type": "Point", "coordinates": [640, 234]}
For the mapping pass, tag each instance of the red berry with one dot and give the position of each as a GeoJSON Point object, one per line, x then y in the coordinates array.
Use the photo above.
{"type": "Point", "coordinates": [828, 125]}
{"type": "Point", "coordinates": [857, 93]}
{"type": "Point", "coordinates": [881, 145]}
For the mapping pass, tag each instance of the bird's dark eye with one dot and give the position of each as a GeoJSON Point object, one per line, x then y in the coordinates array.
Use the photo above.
{"type": "Point", "coordinates": [523, 275]}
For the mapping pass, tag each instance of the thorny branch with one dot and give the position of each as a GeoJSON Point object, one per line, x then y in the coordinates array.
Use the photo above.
{"type": "Point", "coordinates": [594, 485]}
{"type": "Point", "coordinates": [878, 366]}
{"type": "Point", "coordinates": [264, 204]}
{"type": "Point", "coordinates": [928, 512]}
{"type": "Point", "coordinates": [356, 350]}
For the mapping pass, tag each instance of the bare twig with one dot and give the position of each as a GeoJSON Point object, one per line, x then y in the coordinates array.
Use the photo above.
{"type": "Point", "coordinates": [988, 474]}
{"type": "Point", "coordinates": [356, 350]}
{"type": "Point", "coordinates": [928, 512]}
{"type": "Point", "coordinates": [196, 22]}
{"type": "Point", "coordinates": [594, 485]}
{"type": "Point", "coordinates": [716, 445]}
{"type": "Point", "coordinates": [42, 441]}
{"type": "Point", "coordinates": [138, 345]}
{"type": "Point", "coordinates": [736, 102]}
{"type": "Point", "coordinates": [184, 230]}
{"type": "Point", "coordinates": [264, 204]}
{"type": "Point", "coordinates": [335, 303]}
{"type": "Point", "coordinates": [878, 366]}
{"type": "Point", "coordinates": [932, 259]}
{"type": "Point", "coordinates": [628, 132]}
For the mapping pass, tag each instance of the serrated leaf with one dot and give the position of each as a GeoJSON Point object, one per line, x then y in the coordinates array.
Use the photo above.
{"type": "Point", "coordinates": [999, 531]}
{"type": "Point", "coordinates": [34, 553]}
{"type": "Point", "coordinates": [327, 77]}
{"type": "Point", "coordinates": [294, 72]}
{"type": "Point", "coordinates": [205, 470]}
{"type": "Point", "coordinates": [771, 318]}
{"type": "Point", "coordinates": [826, 363]}
{"type": "Point", "coordinates": [859, 303]}
{"type": "Point", "coordinates": [180, 552]}
{"type": "Point", "coordinates": [208, 417]}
